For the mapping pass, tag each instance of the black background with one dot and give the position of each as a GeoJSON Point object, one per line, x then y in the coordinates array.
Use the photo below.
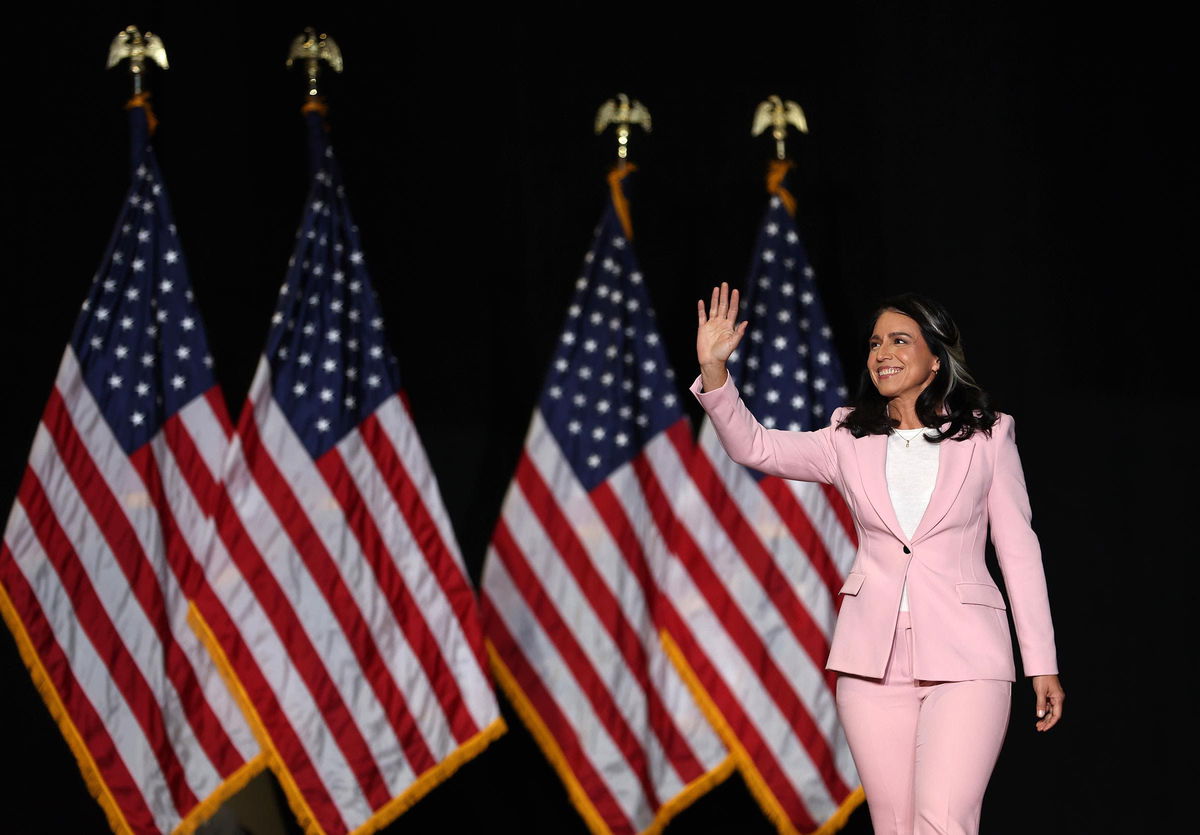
{"type": "Point", "coordinates": [1033, 169]}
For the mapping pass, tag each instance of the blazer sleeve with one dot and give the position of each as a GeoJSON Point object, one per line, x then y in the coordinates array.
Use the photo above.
{"type": "Point", "coordinates": [803, 456]}
{"type": "Point", "coordinates": [1019, 553]}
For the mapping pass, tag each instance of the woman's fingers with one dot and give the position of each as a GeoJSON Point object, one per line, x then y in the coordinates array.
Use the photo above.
{"type": "Point", "coordinates": [700, 312]}
{"type": "Point", "coordinates": [733, 308]}
{"type": "Point", "coordinates": [713, 305]}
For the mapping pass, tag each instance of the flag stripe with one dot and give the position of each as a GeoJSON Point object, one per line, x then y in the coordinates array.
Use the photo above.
{"type": "Point", "coordinates": [94, 621]}
{"type": "Point", "coordinates": [469, 689]}
{"type": "Point", "coordinates": [210, 732]}
{"type": "Point", "coordinates": [634, 498]}
{"type": "Point", "coordinates": [275, 605]}
{"type": "Point", "coordinates": [386, 433]}
{"type": "Point", "coordinates": [774, 586]}
{"type": "Point", "coordinates": [805, 535]}
{"type": "Point", "coordinates": [765, 761]}
{"type": "Point", "coordinates": [273, 714]}
{"type": "Point", "coordinates": [677, 747]}
{"type": "Point", "coordinates": [595, 591]}
{"type": "Point", "coordinates": [534, 687]}
{"type": "Point", "coordinates": [741, 630]}
{"type": "Point", "coordinates": [440, 681]}
{"type": "Point", "coordinates": [59, 669]}
{"type": "Point", "coordinates": [286, 496]}
{"type": "Point", "coordinates": [602, 699]}
{"type": "Point", "coordinates": [202, 482]}
{"type": "Point", "coordinates": [125, 547]}
{"type": "Point", "coordinates": [840, 509]}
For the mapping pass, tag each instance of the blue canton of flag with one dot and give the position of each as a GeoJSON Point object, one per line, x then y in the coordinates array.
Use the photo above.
{"type": "Point", "coordinates": [610, 388]}
{"type": "Point", "coordinates": [788, 381]}
{"type": "Point", "coordinates": [330, 363]}
{"type": "Point", "coordinates": [139, 338]}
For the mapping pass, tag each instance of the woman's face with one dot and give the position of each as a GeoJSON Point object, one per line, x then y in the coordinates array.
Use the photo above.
{"type": "Point", "coordinates": [899, 359]}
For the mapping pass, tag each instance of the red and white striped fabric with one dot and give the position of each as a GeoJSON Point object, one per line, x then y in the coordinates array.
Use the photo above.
{"type": "Point", "coordinates": [97, 567]}
{"type": "Point", "coordinates": [569, 595]}
{"type": "Point", "coordinates": [351, 626]}
{"type": "Point", "coordinates": [759, 561]}
{"type": "Point", "coordinates": [754, 578]}
{"type": "Point", "coordinates": [570, 586]}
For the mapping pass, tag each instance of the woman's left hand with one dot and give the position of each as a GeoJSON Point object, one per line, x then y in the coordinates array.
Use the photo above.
{"type": "Point", "coordinates": [1049, 701]}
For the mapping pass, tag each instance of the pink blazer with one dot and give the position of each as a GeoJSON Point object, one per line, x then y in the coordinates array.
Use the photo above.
{"type": "Point", "coordinates": [959, 627]}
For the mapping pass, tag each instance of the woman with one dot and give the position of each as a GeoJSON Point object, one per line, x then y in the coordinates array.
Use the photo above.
{"type": "Point", "coordinates": [923, 692]}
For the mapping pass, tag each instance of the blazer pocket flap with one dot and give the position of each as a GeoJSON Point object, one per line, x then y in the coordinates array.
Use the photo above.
{"type": "Point", "coordinates": [853, 583]}
{"type": "Point", "coordinates": [981, 593]}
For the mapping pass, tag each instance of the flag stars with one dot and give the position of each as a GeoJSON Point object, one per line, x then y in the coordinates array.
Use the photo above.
{"type": "Point", "coordinates": [823, 357]}
{"type": "Point", "coordinates": [350, 401]}
{"type": "Point", "coordinates": [178, 382]}
{"type": "Point", "coordinates": [555, 392]}
{"type": "Point", "coordinates": [598, 433]}
{"type": "Point", "coordinates": [780, 342]}
{"type": "Point", "coordinates": [768, 256]}
{"type": "Point", "coordinates": [170, 256]}
{"type": "Point", "coordinates": [334, 336]}
{"type": "Point", "coordinates": [137, 418]}
{"type": "Point", "coordinates": [138, 264]}
{"type": "Point", "coordinates": [374, 380]}
{"type": "Point", "coordinates": [621, 439]}
{"type": "Point", "coordinates": [806, 297]}
{"type": "Point", "coordinates": [322, 424]}
{"type": "Point", "coordinates": [132, 294]}
{"type": "Point", "coordinates": [593, 460]}
{"type": "Point", "coordinates": [792, 237]}
{"type": "Point", "coordinates": [166, 285]}
{"type": "Point", "coordinates": [326, 395]}
{"type": "Point", "coordinates": [115, 381]}
{"type": "Point", "coordinates": [797, 402]}
{"type": "Point", "coordinates": [356, 257]}
{"type": "Point", "coordinates": [121, 352]}
{"type": "Point", "coordinates": [819, 384]}
{"type": "Point", "coordinates": [787, 288]}
{"type": "Point", "coordinates": [784, 315]}
{"type": "Point", "coordinates": [126, 323]}
{"type": "Point", "coordinates": [300, 389]}
{"type": "Point", "coordinates": [579, 400]}
{"type": "Point", "coordinates": [304, 359]}
{"type": "Point", "coordinates": [772, 396]}
{"type": "Point", "coordinates": [772, 229]}
{"type": "Point", "coordinates": [776, 369]}
{"type": "Point", "coordinates": [309, 329]}
{"type": "Point", "coordinates": [329, 365]}
{"type": "Point", "coordinates": [101, 314]}
{"type": "Point", "coordinates": [148, 360]}
{"type": "Point", "coordinates": [574, 427]}
{"type": "Point", "coordinates": [187, 323]}
{"type": "Point", "coordinates": [97, 342]}
{"type": "Point", "coordinates": [143, 235]}
{"type": "Point", "coordinates": [109, 285]}
{"type": "Point", "coordinates": [183, 352]}
{"type": "Point", "coordinates": [764, 282]}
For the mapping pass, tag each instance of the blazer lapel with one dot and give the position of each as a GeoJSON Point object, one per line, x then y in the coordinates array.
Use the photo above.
{"type": "Point", "coordinates": [871, 452]}
{"type": "Point", "coordinates": [953, 465]}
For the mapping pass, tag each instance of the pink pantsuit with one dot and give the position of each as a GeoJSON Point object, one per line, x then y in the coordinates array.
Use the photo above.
{"type": "Point", "coordinates": [923, 695]}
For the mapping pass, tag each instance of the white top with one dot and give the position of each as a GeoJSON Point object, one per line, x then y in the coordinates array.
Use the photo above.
{"type": "Point", "coordinates": [912, 466]}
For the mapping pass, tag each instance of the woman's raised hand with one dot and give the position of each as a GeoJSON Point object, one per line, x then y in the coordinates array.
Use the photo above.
{"type": "Point", "coordinates": [717, 335]}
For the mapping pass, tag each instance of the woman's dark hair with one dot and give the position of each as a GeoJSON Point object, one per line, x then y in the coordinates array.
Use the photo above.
{"type": "Point", "coordinates": [968, 407]}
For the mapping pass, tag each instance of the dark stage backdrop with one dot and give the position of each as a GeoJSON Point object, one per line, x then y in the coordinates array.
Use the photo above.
{"type": "Point", "coordinates": [1029, 169]}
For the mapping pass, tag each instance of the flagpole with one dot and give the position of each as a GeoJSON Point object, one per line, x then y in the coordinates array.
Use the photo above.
{"type": "Point", "coordinates": [777, 114]}
{"type": "Point", "coordinates": [312, 48]}
{"type": "Point", "coordinates": [624, 113]}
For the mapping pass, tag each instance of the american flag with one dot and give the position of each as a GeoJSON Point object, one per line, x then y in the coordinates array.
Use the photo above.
{"type": "Point", "coordinates": [570, 585]}
{"type": "Point", "coordinates": [761, 559]}
{"type": "Point", "coordinates": [352, 630]}
{"type": "Point", "coordinates": [99, 555]}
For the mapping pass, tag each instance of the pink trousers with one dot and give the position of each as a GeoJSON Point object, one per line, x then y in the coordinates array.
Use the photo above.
{"type": "Point", "coordinates": [924, 750]}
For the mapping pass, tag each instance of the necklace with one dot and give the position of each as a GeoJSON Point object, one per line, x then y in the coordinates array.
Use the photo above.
{"type": "Point", "coordinates": [908, 438]}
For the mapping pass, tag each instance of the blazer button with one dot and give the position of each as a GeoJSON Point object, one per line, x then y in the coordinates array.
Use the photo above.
{"type": "Point", "coordinates": [906, 550]}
